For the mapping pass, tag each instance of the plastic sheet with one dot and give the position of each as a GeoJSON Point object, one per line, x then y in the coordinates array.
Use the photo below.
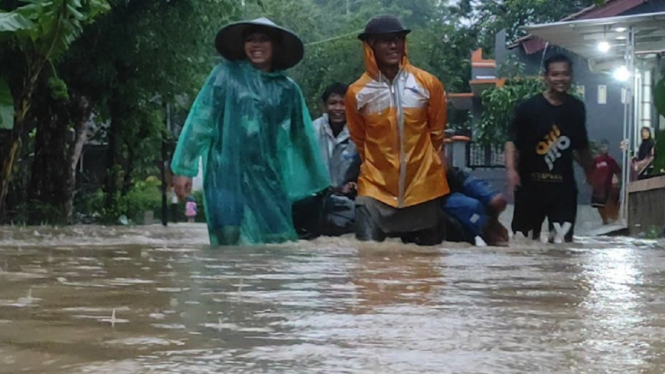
{"type": "Point", "coordinates": [259, 154]}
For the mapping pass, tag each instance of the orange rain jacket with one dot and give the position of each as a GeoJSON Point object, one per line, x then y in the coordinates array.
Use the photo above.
{"type": "Point", "coordinates": [398, 129]}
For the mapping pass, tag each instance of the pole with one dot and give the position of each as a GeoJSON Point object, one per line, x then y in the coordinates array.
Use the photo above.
{"type": "Point", "coordinates": [628, 119]}
{"type": "Point", "coordinates": [165, 219]}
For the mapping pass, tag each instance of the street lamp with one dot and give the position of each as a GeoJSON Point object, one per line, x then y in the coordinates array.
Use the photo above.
{"type": "Point", "coordinates": [622, 74]}
{"type": "Point", "coordinates": [604, 46]}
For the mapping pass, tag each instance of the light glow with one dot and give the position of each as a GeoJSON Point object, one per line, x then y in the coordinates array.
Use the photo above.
{"type": "Point", "coordinates": [604, 46]}
{"type": "Point", "coordinates": [621, 74]}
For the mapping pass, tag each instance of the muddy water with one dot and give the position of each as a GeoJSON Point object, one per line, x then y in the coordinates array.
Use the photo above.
{"type": "Point", "coordinates": [155, 300]}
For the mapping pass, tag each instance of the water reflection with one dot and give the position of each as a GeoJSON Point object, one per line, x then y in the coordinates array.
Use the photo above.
{"type": "Point", "coordinates": [389, 277]}
{"type": "Point", "coordinates": [152, 300]}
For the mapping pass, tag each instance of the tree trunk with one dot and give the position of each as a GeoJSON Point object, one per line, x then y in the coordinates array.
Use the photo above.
{"type": "Point", "coordinates": [10, 146]}
{"type": "Point", "coordinates": [48, 168]}
{"type": "Point", "coordinates": [57, 150]}
{"type": "Point", "coordinates": [74, 154]}
{"type": "Point", "coordinates": [129, 170]}
{"type": "Point", "coordinates": [8, 154]}
{"type": "Point", "coordinates": [111, 180]}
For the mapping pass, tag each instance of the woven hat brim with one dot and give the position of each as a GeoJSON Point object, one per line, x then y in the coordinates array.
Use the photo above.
{"type": "Point", "coordinates": [287, 53]}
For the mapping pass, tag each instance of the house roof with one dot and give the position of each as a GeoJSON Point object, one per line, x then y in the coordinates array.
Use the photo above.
{"type": "Point", "coordinates": [583, 36]}
{"type": "Point", "coordinates": [611, 8]}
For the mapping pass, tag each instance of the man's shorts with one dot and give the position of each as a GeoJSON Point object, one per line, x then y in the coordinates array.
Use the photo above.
{"type": "Point", "coordinates": [465, 183]}
{"type": "Point", "coordinates": [468, 200]}
{"type": "Point", "coordinates": [535, 202]}
{"type": "Point", "coordinates": [598, 201]}
{"type": "Point", "coordinates": [470, 212]}
{"type": "Point", "coordinates": [599, 197]}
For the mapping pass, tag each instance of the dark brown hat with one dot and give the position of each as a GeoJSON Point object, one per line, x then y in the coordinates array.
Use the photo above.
{"type": "Point", "coordinates": [381, 25]}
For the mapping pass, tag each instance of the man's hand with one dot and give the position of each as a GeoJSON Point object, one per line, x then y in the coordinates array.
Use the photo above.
{"type": "Point", "coordinates": [624, 145]}
{"type": "Point", "coordinates": [349, 187]}
{"type": "Point", "coordinates": [183, 186]}
{"type": "Point", "coordinates": [513, 180]}
{"type": "Point", "coordinates": [345, 190]}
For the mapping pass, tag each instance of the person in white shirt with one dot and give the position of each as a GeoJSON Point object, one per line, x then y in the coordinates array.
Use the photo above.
{"type": "Point", "coordinates": [336, 209]}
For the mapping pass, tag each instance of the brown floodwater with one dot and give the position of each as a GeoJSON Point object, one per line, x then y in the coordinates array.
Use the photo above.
{"type": "Point", "coordinates": [158, 300]}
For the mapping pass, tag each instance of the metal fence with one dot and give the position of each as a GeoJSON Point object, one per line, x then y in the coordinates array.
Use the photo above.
{"type": "Point", "coordinates": [484, 156]}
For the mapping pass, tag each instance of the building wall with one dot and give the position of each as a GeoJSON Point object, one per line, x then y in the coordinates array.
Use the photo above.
{"type": "Point", "coordinates": [483, 72]}
{"type": "Point", "coordinates": [646, 208]}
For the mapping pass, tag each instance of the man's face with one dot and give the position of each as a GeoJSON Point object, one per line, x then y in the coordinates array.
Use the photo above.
{"type": "Point", "coordinates": [559, 77]}
{"type": "Point", "coordinates": [603, 149]}
{"type": "Point", "coordinates": [335, 109]}
{"type": "Point", "coordinates": [389, 49]}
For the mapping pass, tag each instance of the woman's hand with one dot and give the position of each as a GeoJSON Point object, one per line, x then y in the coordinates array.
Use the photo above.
{"type": "Point", "coordinates": [183, 186]}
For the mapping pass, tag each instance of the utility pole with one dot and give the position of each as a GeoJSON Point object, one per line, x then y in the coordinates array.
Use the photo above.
{"type": "Point", "coordinates": [165, 217]}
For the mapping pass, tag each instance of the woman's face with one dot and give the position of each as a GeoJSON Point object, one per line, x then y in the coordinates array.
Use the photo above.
{"type": "Point", "coordinates": [258, 49]}
{"type": "Point", "coordinates": [646, 134]}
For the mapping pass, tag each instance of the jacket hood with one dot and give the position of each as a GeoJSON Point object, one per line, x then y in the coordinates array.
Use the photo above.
{"type": "Point", "coordinates": [371, 66]}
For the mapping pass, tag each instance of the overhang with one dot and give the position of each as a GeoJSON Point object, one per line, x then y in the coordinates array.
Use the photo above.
{"type": "Point", "coordinates": [583, 36]}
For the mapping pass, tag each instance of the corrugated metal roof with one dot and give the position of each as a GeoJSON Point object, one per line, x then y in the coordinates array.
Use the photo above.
{"type": "Point", "coordinates": [582, 36]}
{"type": "Point", "coordinates": [610, 8]}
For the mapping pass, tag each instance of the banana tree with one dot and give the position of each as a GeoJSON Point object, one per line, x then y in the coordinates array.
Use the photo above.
{"type": "Point", "coordinates": [42, 31]}
{"type": "Point", "coordinates": [6, 106]}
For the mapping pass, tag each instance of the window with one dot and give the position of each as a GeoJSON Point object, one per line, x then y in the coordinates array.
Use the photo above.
{"type": "Point", "coordinates": [602, 94]}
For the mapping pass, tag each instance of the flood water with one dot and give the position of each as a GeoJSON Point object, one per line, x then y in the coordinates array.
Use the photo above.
{"type": "Point", "coordinates": [157, 300]}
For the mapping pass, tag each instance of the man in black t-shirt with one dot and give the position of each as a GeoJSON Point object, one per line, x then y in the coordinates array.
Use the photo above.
{"type": "Point", "coordinates": [548, 131]}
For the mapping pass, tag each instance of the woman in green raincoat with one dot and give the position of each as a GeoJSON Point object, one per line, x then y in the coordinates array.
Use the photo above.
{"type": "Point", "coordinates": [252, 128]}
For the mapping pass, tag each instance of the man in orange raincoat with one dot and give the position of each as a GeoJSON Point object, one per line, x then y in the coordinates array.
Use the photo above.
{"type": "Point", "coordinates": [396, 116]}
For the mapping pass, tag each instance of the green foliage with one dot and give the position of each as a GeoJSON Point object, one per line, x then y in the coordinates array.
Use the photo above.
{"type": "Point", "coordinates": [498, 106]}
{"type": "Point", "coordinates": [490, 17]}
{"type": "Point", "coordinates": [144, 196]}
{"type": "Point", "coordinates": [653, 233]}
{"type": "Point", "coordinates": [138, 55]}
{"type": "Point", "coordinates": [659, 102]}
{"type": "Point", "coordinates": [58, 88]}
{"type": "Point", "coordinates": [659, 96]}
{"type": "Point", "coordinates": [334, 54]}
{"type": "Point", "coordinates": [659, 153]}
{"type": "Point", "coordinates": [49, 27]}
{"type": "Point", "coordinates": [512, 67]}
{"type": "Point", "coordinates": [48, 213]}
{"type": "Point", "coordinates": [12, 22]}
{"type": "Point", "coordinates": [6, 106]}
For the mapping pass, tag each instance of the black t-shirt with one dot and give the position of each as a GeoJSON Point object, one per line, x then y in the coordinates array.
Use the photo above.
{"type": "Point", "coordinates": [545, 137]}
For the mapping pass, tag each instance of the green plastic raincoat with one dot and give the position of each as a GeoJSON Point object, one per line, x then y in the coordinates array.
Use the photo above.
{"type": "Point", "coordinates": [259, 153]}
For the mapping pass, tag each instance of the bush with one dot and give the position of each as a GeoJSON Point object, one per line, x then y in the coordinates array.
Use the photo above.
{"type": "Point", "coordinates": [659, 153]}
{"type": "Point", "coordinates": [144, 196]}
{"type": "Point", "coordinates": [659, 101]}
{"type": "Point", "coordinates": [498, 106]}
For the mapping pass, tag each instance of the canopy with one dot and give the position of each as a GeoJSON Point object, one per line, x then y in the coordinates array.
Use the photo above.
{"type": "Point", "coordinates": [582, 37]}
